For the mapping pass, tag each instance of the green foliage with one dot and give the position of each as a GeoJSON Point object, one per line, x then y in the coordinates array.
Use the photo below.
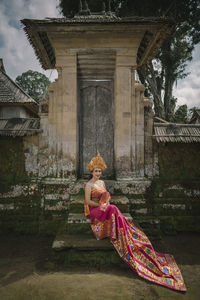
{"type": "Point", "coordinates": [35, 84]}
{"type": "Point", "coordinates": [171, 60]}
{"type": "Point", "coordinates": [191, 111]}
{"type": "Point", "coordinates": [71, 7]}
{"type": "Point", "coordinates": [181, 114]}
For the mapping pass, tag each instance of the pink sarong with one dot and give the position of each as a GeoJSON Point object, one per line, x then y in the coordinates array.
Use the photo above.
{"type": "Point", "coordinates": [132, 245]}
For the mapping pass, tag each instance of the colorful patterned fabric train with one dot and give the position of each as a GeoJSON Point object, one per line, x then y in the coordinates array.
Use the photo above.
{"type": "Point", "coordinates": [132, 244]}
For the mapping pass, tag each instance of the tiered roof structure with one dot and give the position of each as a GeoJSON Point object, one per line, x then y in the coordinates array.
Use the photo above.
{"type": "Point", "coordinates": [11, 95]}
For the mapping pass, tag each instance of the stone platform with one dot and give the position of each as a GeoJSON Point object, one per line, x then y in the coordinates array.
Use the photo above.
{"type": "Point", "coordinates": [75, 242]}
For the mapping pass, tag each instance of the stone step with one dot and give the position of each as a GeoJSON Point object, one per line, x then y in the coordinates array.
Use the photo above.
{"type": "Point", "coordinates": [121, 201]}
{"type": "Point", "coordinates": [79, 224]}
{"type": "Point", "coordinates": [80, 242]}
{"type": "Point", "coordinates": [74, 218]}
{"type": "Point", "coordinates": [81, 232]}
{"type": "Point", "coordinates": [83, 250]}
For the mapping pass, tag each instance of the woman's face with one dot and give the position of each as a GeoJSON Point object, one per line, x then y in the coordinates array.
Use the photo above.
{"type": "Point", "coordinates": [96, 173]}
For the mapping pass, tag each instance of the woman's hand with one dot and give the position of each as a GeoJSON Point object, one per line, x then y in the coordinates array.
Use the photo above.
{"type": "Point", "coordinates": [103, 206]}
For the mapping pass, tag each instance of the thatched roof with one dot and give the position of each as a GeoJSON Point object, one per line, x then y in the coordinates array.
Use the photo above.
{"type": "Point", "coordinates": [11, 93]}
{"type": "Point", "coordinates": [2, 65]}
{"type": "Point", "coordinates": [176, 133]}
{"type": "Point", "coordinates": [19, 126]}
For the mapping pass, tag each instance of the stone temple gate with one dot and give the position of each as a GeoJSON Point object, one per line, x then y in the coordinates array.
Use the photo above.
{"type": "Point", "coordinates": [96, 103]}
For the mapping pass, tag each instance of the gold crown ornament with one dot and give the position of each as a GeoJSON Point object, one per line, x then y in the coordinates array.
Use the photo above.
{"type": "Point", "coordinates": [97, 162]}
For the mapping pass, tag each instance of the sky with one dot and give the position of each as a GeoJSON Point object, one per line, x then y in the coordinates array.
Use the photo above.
{"type": "Point", "coordinates": [18, 55]}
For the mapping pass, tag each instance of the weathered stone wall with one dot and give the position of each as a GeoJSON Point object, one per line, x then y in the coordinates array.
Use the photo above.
{"type": "Point", "coordinates": [174, 195]}
{"type": "Point", "coordinates": [166, 204]}
{"type": "Point", "coordinates": [179, 161]}
{"type": "Point", "coordinates": [12, 162]}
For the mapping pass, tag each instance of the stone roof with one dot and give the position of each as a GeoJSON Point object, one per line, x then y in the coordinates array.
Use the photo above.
{"type": "Point", "coordinates": [176, 133]}
{"type": "Point", "coordinates": [19, 126]}
{"type": "Point", "coordinates": [38, 33]}
{"type": "Point", "coordinates": [11, 93]}
{"type": "Point", "coordinates": [98, 18]}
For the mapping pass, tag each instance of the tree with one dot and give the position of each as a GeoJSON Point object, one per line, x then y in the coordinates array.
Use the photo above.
{"type": "Point", "coordinates": [70, 7]}
{"type": "Point", "coordinates": [35, 84]}
{"type": "Point", "coordinates": [181, 115]}
{"type": "Point", "coordinates": [170, 63]}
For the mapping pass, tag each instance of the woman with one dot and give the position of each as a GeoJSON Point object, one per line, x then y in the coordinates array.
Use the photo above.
{"type": "Point", "coordinates": [132, 244]}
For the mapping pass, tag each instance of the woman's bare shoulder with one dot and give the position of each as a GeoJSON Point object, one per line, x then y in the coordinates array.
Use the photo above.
{"type": "Point", "coordinates": [102, 182]}
{"type": "Point", "coordinates": [88, 185]}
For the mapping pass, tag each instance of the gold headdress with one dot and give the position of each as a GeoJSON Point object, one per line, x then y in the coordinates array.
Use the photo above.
{"type": "Point", "coordinates": [97, 162]}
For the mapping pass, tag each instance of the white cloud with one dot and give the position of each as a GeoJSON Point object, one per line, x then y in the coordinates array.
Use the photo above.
{"type": "Point", "coordinates": [188, 89]}
{"type": "Point", "coordinates": [19, 57]}
{"type": "Point", "coordinates": [15, 49]}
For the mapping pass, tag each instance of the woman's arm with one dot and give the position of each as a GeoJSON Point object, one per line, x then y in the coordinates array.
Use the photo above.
{"type": "Point", "coordinates": [108, 199]}
{"type": "Point", "coordinates": [103, 184]}
{"type": "Point", "coordinates": [88, 196]}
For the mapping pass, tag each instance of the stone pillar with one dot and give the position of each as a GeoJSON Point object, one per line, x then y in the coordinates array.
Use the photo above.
{"type": "Point", "coordinates": [52, 129]}
{"type": "Point", "coordinates": [133, 127]}
{"type": "Point", "coordinates": [123, 115]}
{"type": "Point", "coordinates": [139, 129]}
{"type": "Point", "coordinates": [148, 132]}
{"type": "Point", "coordinates": [67, 124]}
{"type": "Point", "coordinates": [63, 118]}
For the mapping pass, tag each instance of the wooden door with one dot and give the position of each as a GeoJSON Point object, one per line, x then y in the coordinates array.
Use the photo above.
{"type": "Point", "coordinates": [96, 130]}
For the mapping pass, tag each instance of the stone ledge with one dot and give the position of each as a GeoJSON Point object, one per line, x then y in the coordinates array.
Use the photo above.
{"type": "Point", "coordinates": [81, 242]}
{"type": "Point", "coordinates": [119, 199]}
{"type": "Point", "coordinates": [80, 218]}
{"type": "Point", "coordinates": [77, 218]}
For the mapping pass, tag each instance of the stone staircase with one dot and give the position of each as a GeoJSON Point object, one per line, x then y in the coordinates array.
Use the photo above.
{"type": "Point", "coordinates": [76, 244]}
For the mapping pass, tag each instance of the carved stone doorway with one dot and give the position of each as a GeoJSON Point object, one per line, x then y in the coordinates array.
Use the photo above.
{"type": "Point", "coordinates": [96, 128]}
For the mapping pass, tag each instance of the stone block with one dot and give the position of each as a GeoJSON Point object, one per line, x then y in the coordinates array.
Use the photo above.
{"type": "Point", "coordinates": [188, 223]}
{"type": "Point", "coordinates": [141, 211]}
{"type": "Point", "coordinates": [174, 193]}
{"type": "Point", "coordinates": [81, 242]}
{"type": "Point", "coordinates": [7, 206]}
{"type": "Point", "coordinates": [90, 259]}
{"type": "Point", "coordinates": [168, 225]}
{"type": "Point", "coordinates": [74, 218]}
{"type": "Point", "coordinates": [77, 228]}
{"type": "Point", "coordinates": [170, 209]}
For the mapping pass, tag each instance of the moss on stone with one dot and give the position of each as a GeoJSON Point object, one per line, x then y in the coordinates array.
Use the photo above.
{"type": "Point", "coordinates": [12, 162]}
{"type": "Point", "coordinates": [184, 163]}
{"type": "Point", "coordinates": [79, 229]}
{"type": "Point", "coordinates": [188, 223]}
{"type": "Point", "coordinates": [91, 259]}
